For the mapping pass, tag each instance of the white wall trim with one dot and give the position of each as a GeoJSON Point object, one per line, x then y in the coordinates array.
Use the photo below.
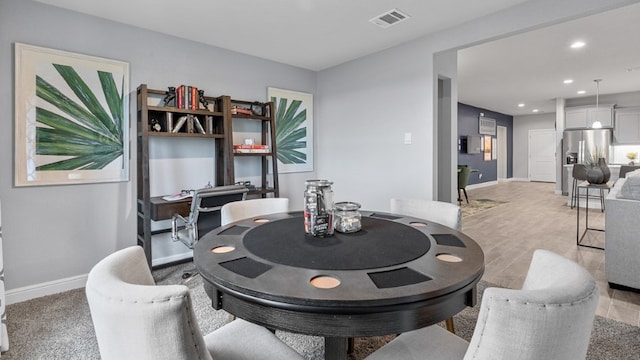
{"type": "Point", "coordinates": [46, 288]}
{"type": "Point", "coordinates": [481, 185]}
{"type": "Point", "coordinates": [490, 183]}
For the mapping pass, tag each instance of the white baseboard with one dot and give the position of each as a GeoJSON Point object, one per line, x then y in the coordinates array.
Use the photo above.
{"type": "Point", "coordinates": [481, 185]}
{"type": "Point", "coordinates": [520, 179]}
{"type": "Point", "coordinates": [75, 282]}
{"type": "Point", "coordinates": [164, 250]}
{"type": "Point", "coordinates": [44, 289]}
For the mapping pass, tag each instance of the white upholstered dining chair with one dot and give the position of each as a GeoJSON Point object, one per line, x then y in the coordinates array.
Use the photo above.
{"type": "Point", "coordinates": [138, 320]}
{"type": "Point", "coordinates": [246, 209]}
{"type": "Point", "coordinates": [438, 211]}
{"type": "Point", "coordinates": [239, 210]}
{"type": "Point", "coordinates": [549, 318]}
{"type": "Point", "coordinates": [441, 212]}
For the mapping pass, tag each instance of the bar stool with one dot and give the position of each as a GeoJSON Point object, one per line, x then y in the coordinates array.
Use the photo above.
{"type": "Point", "coordinates": [579, 175]}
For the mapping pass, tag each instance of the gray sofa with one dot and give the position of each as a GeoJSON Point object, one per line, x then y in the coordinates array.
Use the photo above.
{"type": "Point", "coordinates": [622, 234]}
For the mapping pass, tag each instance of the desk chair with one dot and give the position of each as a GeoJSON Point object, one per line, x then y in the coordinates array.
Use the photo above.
{"type": "Point", "coordinates": [463, 181]}
{"type": "Point", "coordinates": [204, 215]}
{"type": "Point", "coordinates": [135, 319]}
{"type": "Point", "coordinates": [443, 213]}
{"type": "Point", "coordinates": [549, 318]}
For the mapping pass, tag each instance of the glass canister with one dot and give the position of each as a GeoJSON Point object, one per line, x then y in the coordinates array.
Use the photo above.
{"type": "Point", "coordinates": [347, 218]}
{"type": "Point", "coordinates": [318, 208]}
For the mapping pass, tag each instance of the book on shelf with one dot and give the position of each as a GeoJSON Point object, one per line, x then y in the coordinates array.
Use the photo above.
{"type": "Point", "coordinates": [187, 97]}
{"type": "Point", "coordinates": [191, 124]}
{"type": "Point", "coordinates": [239, 110]}
{"type": "Point", "coordinates": [169, 122]}
{"type": "Point", "coordinates": [181, 121]}
{"type": "Point", "coordinates": [180, 97]}
{"type": "Point", "coordinates": [250, 148]}
{"type": "Point", "coordinates": [197, 125]}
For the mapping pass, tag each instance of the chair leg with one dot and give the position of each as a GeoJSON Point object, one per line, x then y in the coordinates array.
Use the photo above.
{"type": "Point", "coordinates": [574, 195]}
{"type": "Point", "coordinates": [465, 195]}
{"type": "Point", "coordinates": [189, 275]}
{"type": "Point", "coordinates": [459, 198]}
{"type": "Point", "coordinates": [449, 324]}
{"type": "Point", "coordinates": [350, 345]}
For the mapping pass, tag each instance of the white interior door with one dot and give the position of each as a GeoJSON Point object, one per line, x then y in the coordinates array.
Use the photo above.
{"type": "Point", "coordinates": [502, 152]}
{"type": "Point", "coordinates": [542, 155]}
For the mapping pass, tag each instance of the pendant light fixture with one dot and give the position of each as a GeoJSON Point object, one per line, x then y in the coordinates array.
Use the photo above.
{"type": "Point", "coordinates": [597, 124]}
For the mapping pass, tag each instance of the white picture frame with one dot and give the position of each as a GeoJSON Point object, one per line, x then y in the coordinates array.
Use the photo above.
{"type": "Point", "coordinates": [294, 129]}
{"type": "Point", "coordinates": [71, 118]}
{"type": "Point", "coordinates": [486, 126]}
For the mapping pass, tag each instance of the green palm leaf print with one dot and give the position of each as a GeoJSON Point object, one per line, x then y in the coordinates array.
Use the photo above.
{"type": "Point", "coordinates": [290, 136]}
{"type": "Point", "coordinates": [85, 134]}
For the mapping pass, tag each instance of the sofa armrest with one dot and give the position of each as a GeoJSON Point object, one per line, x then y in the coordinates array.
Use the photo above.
{"type": "Point", "coordinates": [622, 244]}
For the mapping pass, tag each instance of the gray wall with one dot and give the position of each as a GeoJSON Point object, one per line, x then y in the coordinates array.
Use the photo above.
{"type": "Point", "coordinates": [363, 109]}
{"type": "Point", "coordinates": [521, 126]}
{"type": "Point", "coordinates": [57, 232]}
{"type": "Point", "coordinates": [468, 125]}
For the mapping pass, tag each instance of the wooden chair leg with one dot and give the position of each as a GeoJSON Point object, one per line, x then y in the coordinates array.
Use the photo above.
{"type": "Point", "coordinates": [449, 324]}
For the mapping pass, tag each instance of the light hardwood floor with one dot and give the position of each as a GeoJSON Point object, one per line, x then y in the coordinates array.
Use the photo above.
{"type": "Point", "coordinates": [536, 218]}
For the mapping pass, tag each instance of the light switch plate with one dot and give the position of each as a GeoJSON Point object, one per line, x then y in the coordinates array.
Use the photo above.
{"type": "Point", "coordinates": [407, 138]}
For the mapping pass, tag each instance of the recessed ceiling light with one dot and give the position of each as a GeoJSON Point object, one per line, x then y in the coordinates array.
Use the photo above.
{"type": "Point", "coordinates": [577, 44]}
{"type": "Point", "coordinates": [580, 92]}
{"type": "Point", "coordinates": [568, 81]}
{"type": "Point", "coordinates": [521, 105]}
{"type": "Point", "coordinates": [535, 110]}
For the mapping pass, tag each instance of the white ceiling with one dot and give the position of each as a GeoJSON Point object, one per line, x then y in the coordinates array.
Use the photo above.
{"type": "Point", "coordinates": [530, 68]}
{"type": "Point", "coordinates": [315, 35]}
{"type": "Point", "coordinates": [312, 34]}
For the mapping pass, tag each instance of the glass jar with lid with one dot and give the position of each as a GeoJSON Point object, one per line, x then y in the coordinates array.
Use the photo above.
{"type": "Point", "coordinates": [318, 208]}
{"type": "Point", "coordinates": [347, 218]}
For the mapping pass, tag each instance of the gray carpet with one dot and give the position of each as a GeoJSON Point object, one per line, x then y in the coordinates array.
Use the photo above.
{"type": "Point", "coordinates": [59, 327]}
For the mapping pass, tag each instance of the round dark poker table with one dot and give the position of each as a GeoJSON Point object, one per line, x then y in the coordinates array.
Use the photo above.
{"type": "Point", "coordinates": [395, 275]}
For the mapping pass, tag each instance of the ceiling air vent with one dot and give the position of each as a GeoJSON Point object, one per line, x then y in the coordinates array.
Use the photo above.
{"type": "Point", "coordinates": [389, 18]}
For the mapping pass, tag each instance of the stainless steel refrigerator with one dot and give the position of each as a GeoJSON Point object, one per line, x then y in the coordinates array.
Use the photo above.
{"type": "Point", "coordinates": [578, 144]}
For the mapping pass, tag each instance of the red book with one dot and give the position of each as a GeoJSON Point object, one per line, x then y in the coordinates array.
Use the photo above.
{"type": "Point", "coordinates": [180, 97]}
{"type": "Point", "coordinates": [194, 98]}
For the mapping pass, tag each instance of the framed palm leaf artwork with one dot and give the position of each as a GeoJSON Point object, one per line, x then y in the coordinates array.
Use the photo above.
{"type": "Point", "coordinates": [71, 118]}
{"type": "Point", "coordinates": [294, 129]}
